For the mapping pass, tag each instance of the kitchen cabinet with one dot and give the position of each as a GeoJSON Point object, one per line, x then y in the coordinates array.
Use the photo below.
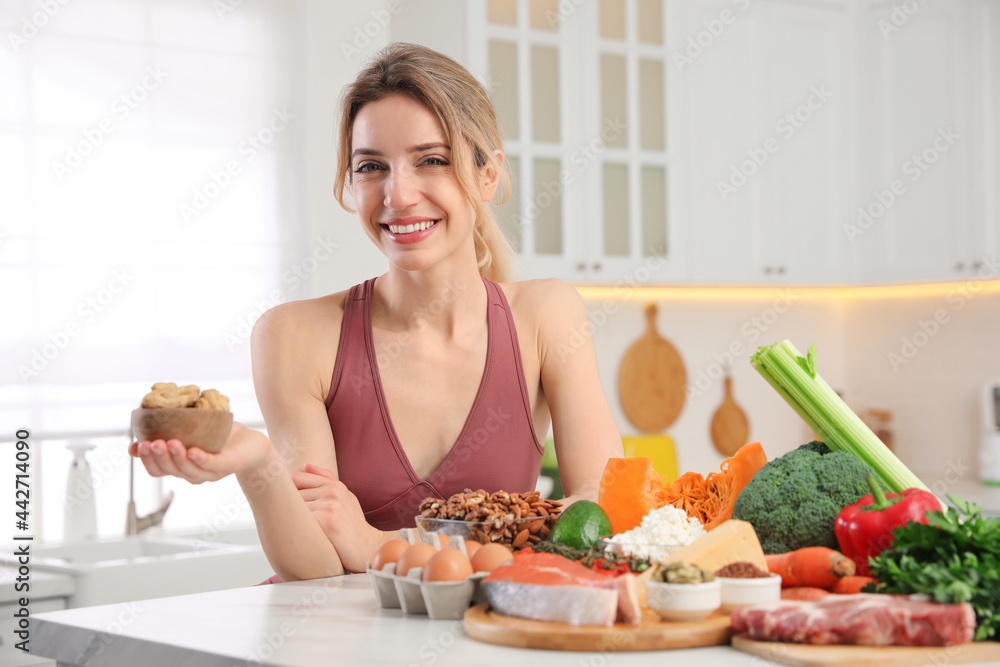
{"type": "Point", "coordinates": [47, 591]}
{"type": "Point", "coordinates": [581, 91]}
{"type": "Point", "coordinates": [795, 141]}
{"type": "Point", "coordinates": [766, 108]}
{"type": "Point", "coordinates": [10, 622]}
{"type": "Point", "coordinates": [928, 211]}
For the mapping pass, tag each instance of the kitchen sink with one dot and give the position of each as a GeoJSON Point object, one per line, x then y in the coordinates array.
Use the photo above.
{"type": "Point", "coordinates": [145, 567]}
{"type": "Point", "coordinates": [105, 552]}
{"type": "Point", "coordinates": [245, 536]}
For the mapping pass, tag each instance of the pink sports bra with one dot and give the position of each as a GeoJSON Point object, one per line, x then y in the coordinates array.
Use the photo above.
{"type": "Point", "coordinates": [496, 449]}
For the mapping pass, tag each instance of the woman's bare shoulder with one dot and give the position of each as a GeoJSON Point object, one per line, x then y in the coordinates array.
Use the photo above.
{"type": "Point", "coordinates": [303, 318]}
{"type": "Point", "coordinates": [293, 347]}
{"type": "Point", "coordinates": [542, 300]}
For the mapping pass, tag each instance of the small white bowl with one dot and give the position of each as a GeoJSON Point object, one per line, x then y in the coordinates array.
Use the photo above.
{"type": "Point", "coordinates": [683, 602]}
{"type": "Point", "coordinates": [739, 592]}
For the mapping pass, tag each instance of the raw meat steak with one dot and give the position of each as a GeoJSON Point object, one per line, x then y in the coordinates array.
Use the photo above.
{"type": "Point", "coordinates": [872, 620]}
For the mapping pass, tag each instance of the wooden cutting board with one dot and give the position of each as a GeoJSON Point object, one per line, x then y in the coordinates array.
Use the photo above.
{"type": "Point", "coordinates": [730, 428]}
{"type": "Point", "coordinates": [803, 655]}
{"type": "Point", "coordinates": [652, 381]}
{"type": "Point", "coordinates": [484, 624]}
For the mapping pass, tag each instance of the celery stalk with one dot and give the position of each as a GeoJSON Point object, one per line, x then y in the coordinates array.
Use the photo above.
{"type": "Point", "coordinates": [828, 416]}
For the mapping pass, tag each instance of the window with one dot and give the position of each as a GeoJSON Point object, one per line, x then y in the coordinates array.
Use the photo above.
{"type": "Point", "coordinates": [150, 158]}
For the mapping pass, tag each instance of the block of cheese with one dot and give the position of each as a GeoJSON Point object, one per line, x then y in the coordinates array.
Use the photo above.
{"type": "Point", "coordinates": [730, 542]}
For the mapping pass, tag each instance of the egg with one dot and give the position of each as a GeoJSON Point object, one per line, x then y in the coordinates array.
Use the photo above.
{"type": "Point", "coordinates": [447, 565]}
{"type": "Point", "coordinates": [491, 556]}
{"type": "Point", "coordinates": [389, 553]}
{"type": "Point", "coordinates": [414, 556]}
{"type": "Point", "coordinates": [471, 547]}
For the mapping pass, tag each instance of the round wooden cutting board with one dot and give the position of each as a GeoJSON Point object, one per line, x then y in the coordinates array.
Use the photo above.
{"type": "Point", "coordinates": [652, 382]}
{"type": "Point", "coordinates": [730, 428]}
{"type": "Point", "coordinates": [484, 624]}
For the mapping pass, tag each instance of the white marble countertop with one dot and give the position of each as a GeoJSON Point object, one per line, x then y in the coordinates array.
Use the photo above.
{"type": "Point", "coordinates": [300, 624]}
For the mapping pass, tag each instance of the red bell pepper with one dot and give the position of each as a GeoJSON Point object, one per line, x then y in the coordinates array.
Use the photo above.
{"type": "Point", "coordinates": [864, 530]}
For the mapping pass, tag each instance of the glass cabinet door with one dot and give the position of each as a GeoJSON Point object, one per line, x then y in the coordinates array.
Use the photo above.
{"type": "Point", "coordinates": [522, 51]}
{"type": "Point", "coordinates": [632, 240]}
{"type": "Point", "coordinates": [581, 90]}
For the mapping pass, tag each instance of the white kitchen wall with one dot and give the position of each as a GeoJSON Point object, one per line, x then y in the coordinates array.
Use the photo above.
{"type": "Point", "coordinates": [926, 359]}
{"type": "Point", "coordinates": [705, 329]}
{"type": "Point", "coordinates": [340, 38]}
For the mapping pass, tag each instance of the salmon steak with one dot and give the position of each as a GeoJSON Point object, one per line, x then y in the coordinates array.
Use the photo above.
{"type": "Point", "coordinates": [549, 587]}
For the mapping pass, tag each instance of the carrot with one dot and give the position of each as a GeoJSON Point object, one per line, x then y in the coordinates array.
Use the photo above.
{"type": "Point", "coordinates": [711, 498]}
{"type": "Point", "coordinates": [807, 593]}
{"type": "Point", "coordinates": [852, 584]}
{"type": "Point", "coordinates": [810, 566]}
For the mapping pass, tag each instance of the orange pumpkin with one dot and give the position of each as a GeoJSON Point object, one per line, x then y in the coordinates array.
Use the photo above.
{"type": "Point", "coordinates": [631, 488]}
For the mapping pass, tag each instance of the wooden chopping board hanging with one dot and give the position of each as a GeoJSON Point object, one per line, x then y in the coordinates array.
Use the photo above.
{"type": "Point", "coordinates": [652, 381]}
{"type": "Point", "coordinates": [730, 428]}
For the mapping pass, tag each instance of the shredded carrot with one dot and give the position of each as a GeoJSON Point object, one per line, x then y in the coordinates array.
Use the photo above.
{"type": "Point", "coordinates": [711, 498]}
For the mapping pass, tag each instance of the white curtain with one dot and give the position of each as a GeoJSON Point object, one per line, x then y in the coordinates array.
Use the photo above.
{"type": "Point", "coordinates": [150, 203]}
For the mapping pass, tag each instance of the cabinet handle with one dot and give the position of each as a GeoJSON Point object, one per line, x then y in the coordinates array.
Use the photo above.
{"type": "Point", "coordinates": [781, 270]}
{"type": "Point", "coordinates": [581, 267]}
{"type": "Point", "coordinates": [768, 270]}
{"type": "Point", "coordinates": [976, 266]}
{"type": "Point", "coordinates": [960, 266]}
{"type": "Point", "coordinates": [597, 266]}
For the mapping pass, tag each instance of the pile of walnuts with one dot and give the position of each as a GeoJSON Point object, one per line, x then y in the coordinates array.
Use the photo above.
{"type": "Point", "coordinates": [169, 395]}
{"type": "Point", "coordinates": [504, 513]}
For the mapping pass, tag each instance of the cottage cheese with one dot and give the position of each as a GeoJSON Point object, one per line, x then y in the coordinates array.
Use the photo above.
{"type": "Point", "coordinates": [662, 532]}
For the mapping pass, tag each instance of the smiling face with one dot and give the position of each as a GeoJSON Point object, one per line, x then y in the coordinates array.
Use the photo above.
{"type": "Point", "coordinates": [405, 187]}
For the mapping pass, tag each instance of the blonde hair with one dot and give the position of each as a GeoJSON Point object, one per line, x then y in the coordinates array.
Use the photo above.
{"type": "Point", "coordinates": [464, 109]}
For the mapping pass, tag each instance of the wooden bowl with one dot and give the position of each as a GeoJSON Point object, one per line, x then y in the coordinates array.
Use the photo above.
{"type": "Point", "coordinates": [206, 429]}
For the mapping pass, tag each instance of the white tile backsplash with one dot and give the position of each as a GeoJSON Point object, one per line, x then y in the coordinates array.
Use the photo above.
{"type": "Point", "coordinates": [933, 396]}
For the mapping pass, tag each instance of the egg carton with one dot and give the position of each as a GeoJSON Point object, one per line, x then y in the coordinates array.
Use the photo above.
{"type": "Point", "coordinates": [440, 600]}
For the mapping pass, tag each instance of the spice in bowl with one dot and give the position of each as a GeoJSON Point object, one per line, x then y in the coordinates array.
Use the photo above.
{"type": "Point", "coordinates": [744, 584]}
{"type": "Point", "coordinates": [682, 592]}
{"type": "Point", "coordinates": [682, 573]}
{"type": "Point", "coordinates": [741, 570]}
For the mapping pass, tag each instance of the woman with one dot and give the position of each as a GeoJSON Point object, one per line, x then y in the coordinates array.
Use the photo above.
{"type": "Point", "coordinates": [470, 368]}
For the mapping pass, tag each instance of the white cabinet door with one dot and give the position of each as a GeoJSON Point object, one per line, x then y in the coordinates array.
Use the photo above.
{"type": "Point", "coordinates": [767, 108]}
{"type": "Point", "coordinates": [10, 623]}
{"type": "Point", "coordinates": [985, 71]}
{"type": "Point", "coordinates": [581, 91]}
{"type": "Point", "coordinates": [915, 222]}
{"type": "Point", "coordinates": [715, 75]}
{"type": "Point", "coordinates": [806, 97]}
{"type": "Point", "coordinates": [634, 234]}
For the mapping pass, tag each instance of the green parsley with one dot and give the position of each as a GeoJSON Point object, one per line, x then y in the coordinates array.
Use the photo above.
{"type": "Point", "coordinates": [955, 557]}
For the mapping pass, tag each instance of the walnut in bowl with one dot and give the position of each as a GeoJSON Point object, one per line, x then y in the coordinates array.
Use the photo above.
{"type": "Point", "coordinates": [197, 418]}
{"type": "Point", "coordinates": [511, 519]}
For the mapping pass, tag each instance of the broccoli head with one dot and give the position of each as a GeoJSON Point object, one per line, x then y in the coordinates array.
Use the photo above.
{"type": "Point", "coordinates": [793, 501]}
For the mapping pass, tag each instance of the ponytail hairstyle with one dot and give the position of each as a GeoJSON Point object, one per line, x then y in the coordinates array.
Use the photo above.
{"type": "Point", "coordinates": [465, 111]}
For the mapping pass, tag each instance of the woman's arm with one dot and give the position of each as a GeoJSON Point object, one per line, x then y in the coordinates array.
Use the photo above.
{"type": "Point", "coordinates": [289, 392]}
{"type": "Point", "coordinates": [583, 426]}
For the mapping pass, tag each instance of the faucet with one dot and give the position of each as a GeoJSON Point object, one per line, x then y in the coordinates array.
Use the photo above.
{"type": "Point", "coordinates": [135, 524]}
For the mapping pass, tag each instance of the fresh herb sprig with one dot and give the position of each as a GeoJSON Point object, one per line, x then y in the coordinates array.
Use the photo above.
{"type": "Point", "coordinates": [954, 557]}
{"type": "Point", "coordinates": [592, 557]}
